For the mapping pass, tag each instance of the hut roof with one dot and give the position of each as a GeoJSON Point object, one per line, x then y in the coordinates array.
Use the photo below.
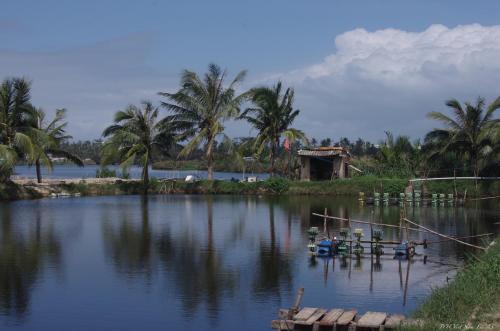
{"type": "Point", "coordinates": [324, 152]}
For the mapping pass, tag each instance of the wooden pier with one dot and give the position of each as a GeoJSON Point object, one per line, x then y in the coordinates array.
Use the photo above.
{"type": "Point", "coordinates": [317, 319]}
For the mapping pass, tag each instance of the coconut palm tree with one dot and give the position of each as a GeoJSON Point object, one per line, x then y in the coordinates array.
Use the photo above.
{"type": "Point", "coordinates": [49, 144]}
{"type": "Point", "coordinates": [272, 117]}
{"type": "Point", "coordinates": [201, 107]}
{"type": "Point", "coordinates": [136, 134]}
{"type": "Point", "coordinates": [15, 130]}
{"type": "Point", "coordinates": [468, 132]}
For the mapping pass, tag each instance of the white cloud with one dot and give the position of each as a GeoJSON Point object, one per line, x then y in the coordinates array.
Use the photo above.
{"type": "Point", "coordinates": [389, 79]}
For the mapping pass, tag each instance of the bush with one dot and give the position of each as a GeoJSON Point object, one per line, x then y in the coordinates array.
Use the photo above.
{"type": "Point", "coordinates": [105, 173]}
{"type": "Point", "coordinates": [277, 185]}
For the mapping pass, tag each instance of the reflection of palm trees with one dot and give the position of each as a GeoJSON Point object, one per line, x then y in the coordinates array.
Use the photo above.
{"type": "Point", "coordinates": [22, 258]}
{"type": "Point", "coordinates": [198, 272]}
{"type": "Point", "coordinates": [273, 268]}
{"type": "Point", "coordinates": [130, 246]}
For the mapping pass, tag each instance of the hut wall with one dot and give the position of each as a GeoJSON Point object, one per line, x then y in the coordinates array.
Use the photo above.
{"type": "Point", "coordinates": [322, 168]}
{"type": "Point", "coordinates": [305, 168]}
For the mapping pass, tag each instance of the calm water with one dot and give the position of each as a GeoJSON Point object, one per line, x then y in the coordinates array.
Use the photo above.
{"type": "Point", "coordinates": [89, 171]}
{"type": "Point", "coordinates": [202, 263]}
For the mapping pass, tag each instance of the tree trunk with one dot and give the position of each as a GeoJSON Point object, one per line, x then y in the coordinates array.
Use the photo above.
{"type": "Point", "coordinates": [38, 171]}
{"type": "Point", "coordinates": [272, 157]}
{"type": "Point", "coordinates": [271, 160]}
{"type": "Point", "coordinates": [210, 164]}
{"type": "Point", "coordinates": [476, 171]}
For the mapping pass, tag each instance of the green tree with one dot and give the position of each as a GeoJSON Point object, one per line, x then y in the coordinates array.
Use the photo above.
{"type": "Point", "coordinates": [201, 107]}
{"type": "Point", "coordinates": [325, 142]}
{"type": "Point", "coordinates": [15, 130]}
{"type": "Point", "coordinates": [135, 135]}
{"type": "Point", "coordinates": [469, 132]}
{"type": "Point", "coordinates": [49, 144]}
{"type": "Point", "coordinates": [272, 118]}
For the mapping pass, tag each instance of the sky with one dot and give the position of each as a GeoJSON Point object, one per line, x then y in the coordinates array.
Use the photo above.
{"type": "Point", "coordinates": [359, 68]}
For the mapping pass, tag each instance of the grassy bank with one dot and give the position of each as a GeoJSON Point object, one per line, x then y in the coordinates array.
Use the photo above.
{"type": "Point", "coordinates": [342, 187]}
{"type": "Point", "coordinates": [471, 300]}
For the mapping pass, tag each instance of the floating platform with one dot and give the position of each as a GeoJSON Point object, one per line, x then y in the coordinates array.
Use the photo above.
{"type": "Point", "coordinates": [316, 319]}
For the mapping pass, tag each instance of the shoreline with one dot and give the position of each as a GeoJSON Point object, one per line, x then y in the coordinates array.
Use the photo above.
{"type": "Point", "coordinates": [18, 189]}
{"type": "Point", "coordinates": [471, 301]}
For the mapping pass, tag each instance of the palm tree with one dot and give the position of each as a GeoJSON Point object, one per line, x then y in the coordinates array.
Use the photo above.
{"type": "Point", "coordinates": [201, 107]}
{"type": "Point", "coordinates": [135, 135]}
{"type": "Point", "coordinates": [272, 117]}
{"type": "Point", "coordinates": [15, 130]}
{"type": "Point", "coordinates": [54, 133]}
{"type": "Point", "coordinates": [469, 131]}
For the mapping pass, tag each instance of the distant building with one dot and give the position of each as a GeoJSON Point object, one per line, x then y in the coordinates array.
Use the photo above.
{"type": "Point", "coordinates": [324, 163]}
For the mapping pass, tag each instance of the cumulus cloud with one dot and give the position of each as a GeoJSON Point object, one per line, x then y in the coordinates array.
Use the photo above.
{"type": "Point", "coordinates": [389, 79]}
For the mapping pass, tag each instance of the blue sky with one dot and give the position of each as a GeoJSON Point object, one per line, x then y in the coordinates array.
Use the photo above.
{"type": "Point", "coordinates": [94, 57]}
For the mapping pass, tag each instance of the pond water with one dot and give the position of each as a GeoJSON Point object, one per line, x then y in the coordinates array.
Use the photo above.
{"type": "Point", "coordinates": [204, 262]}
{"type": "Point", "coordinates": [89, 171]}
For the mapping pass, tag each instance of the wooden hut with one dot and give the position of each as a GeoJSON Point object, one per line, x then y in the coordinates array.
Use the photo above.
{"type": "Point", "coordinates": [324, 163]}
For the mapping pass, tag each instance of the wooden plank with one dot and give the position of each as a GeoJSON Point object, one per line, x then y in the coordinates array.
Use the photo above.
{"type": "Point", "coordinates": [371, 320]}
{"type": "Point", "coordinates": [331, 317]}
{"type": "Point", "coordinates": [314, 317]}
{"type": "Point", "coordinates": [283, 314]}
{"type": "Point", "coordinates": [282, 324]}
{"type": "Point", "coordinates": [346, 317]}
{"type": "Point", "coordinates": [393, 321]}
{"type": "Point", "coordinates": [304, 314]}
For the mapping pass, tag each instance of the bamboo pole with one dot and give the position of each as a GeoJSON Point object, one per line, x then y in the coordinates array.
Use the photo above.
{"type": "Point", "coordinates": [444, 236]}
{"type": "Point", "coordinates": [365, 222]}
{"type": "Point", "coordinates": [450, 178]}
{"type": "Point", "coordinates": [476, 236]}
{"type": "Point", "coordinates": [486, 198]}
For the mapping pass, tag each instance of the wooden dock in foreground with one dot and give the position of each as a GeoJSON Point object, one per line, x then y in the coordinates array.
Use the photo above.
{"type": "Point", "coordinates": [317, 319]}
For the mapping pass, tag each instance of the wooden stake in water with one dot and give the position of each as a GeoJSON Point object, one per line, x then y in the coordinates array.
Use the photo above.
{"type": "Point", "coordinates": [325, 228]}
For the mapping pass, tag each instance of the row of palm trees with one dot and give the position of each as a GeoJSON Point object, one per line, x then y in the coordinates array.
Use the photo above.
{"type": "Point", "coordinates": [26, 132]}
{"type": "Point", "coordinates": [198, 112]}
{"type": "Point", "coordinates": [196, 118]}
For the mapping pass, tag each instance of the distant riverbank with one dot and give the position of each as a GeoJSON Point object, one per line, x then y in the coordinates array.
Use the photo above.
{"type": "Point", "coordinates": [29, 189]}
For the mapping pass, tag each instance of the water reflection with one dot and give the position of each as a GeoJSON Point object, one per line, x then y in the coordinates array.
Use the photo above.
{"type": "Point", "coordinates": [197, 270]}
{"type": "Point", "coordinates": [273, 271]}
{"type": "Point", "coordinates": [129, 241]}
{"type": "Point", "coordinates": [207, 262]}
{"type": "Point", "coordinates": [25, 250]}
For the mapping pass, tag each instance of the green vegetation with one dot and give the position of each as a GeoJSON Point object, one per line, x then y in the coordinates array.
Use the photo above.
{"type": "Point", "coordinates": [48, 141]}
{"type": "Point", "coordinates": [468, 144]}
{"type": "Point", "coordinates": [272, 118]}
{"type": "Point", "coordinates": [472, 298]}
{"type": "Point", "coordinates": [201, 107]}
{"type": "Point", "coordinates": [271, 186]}
{"type": "Point", "coordinates": [470, 134]}
{"type": "Point", "coordinates": [24, 134]}
{"type": "Point", "coordinates": [15, 130]}
{"type": "Point", "coordinates": [134, 135]}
